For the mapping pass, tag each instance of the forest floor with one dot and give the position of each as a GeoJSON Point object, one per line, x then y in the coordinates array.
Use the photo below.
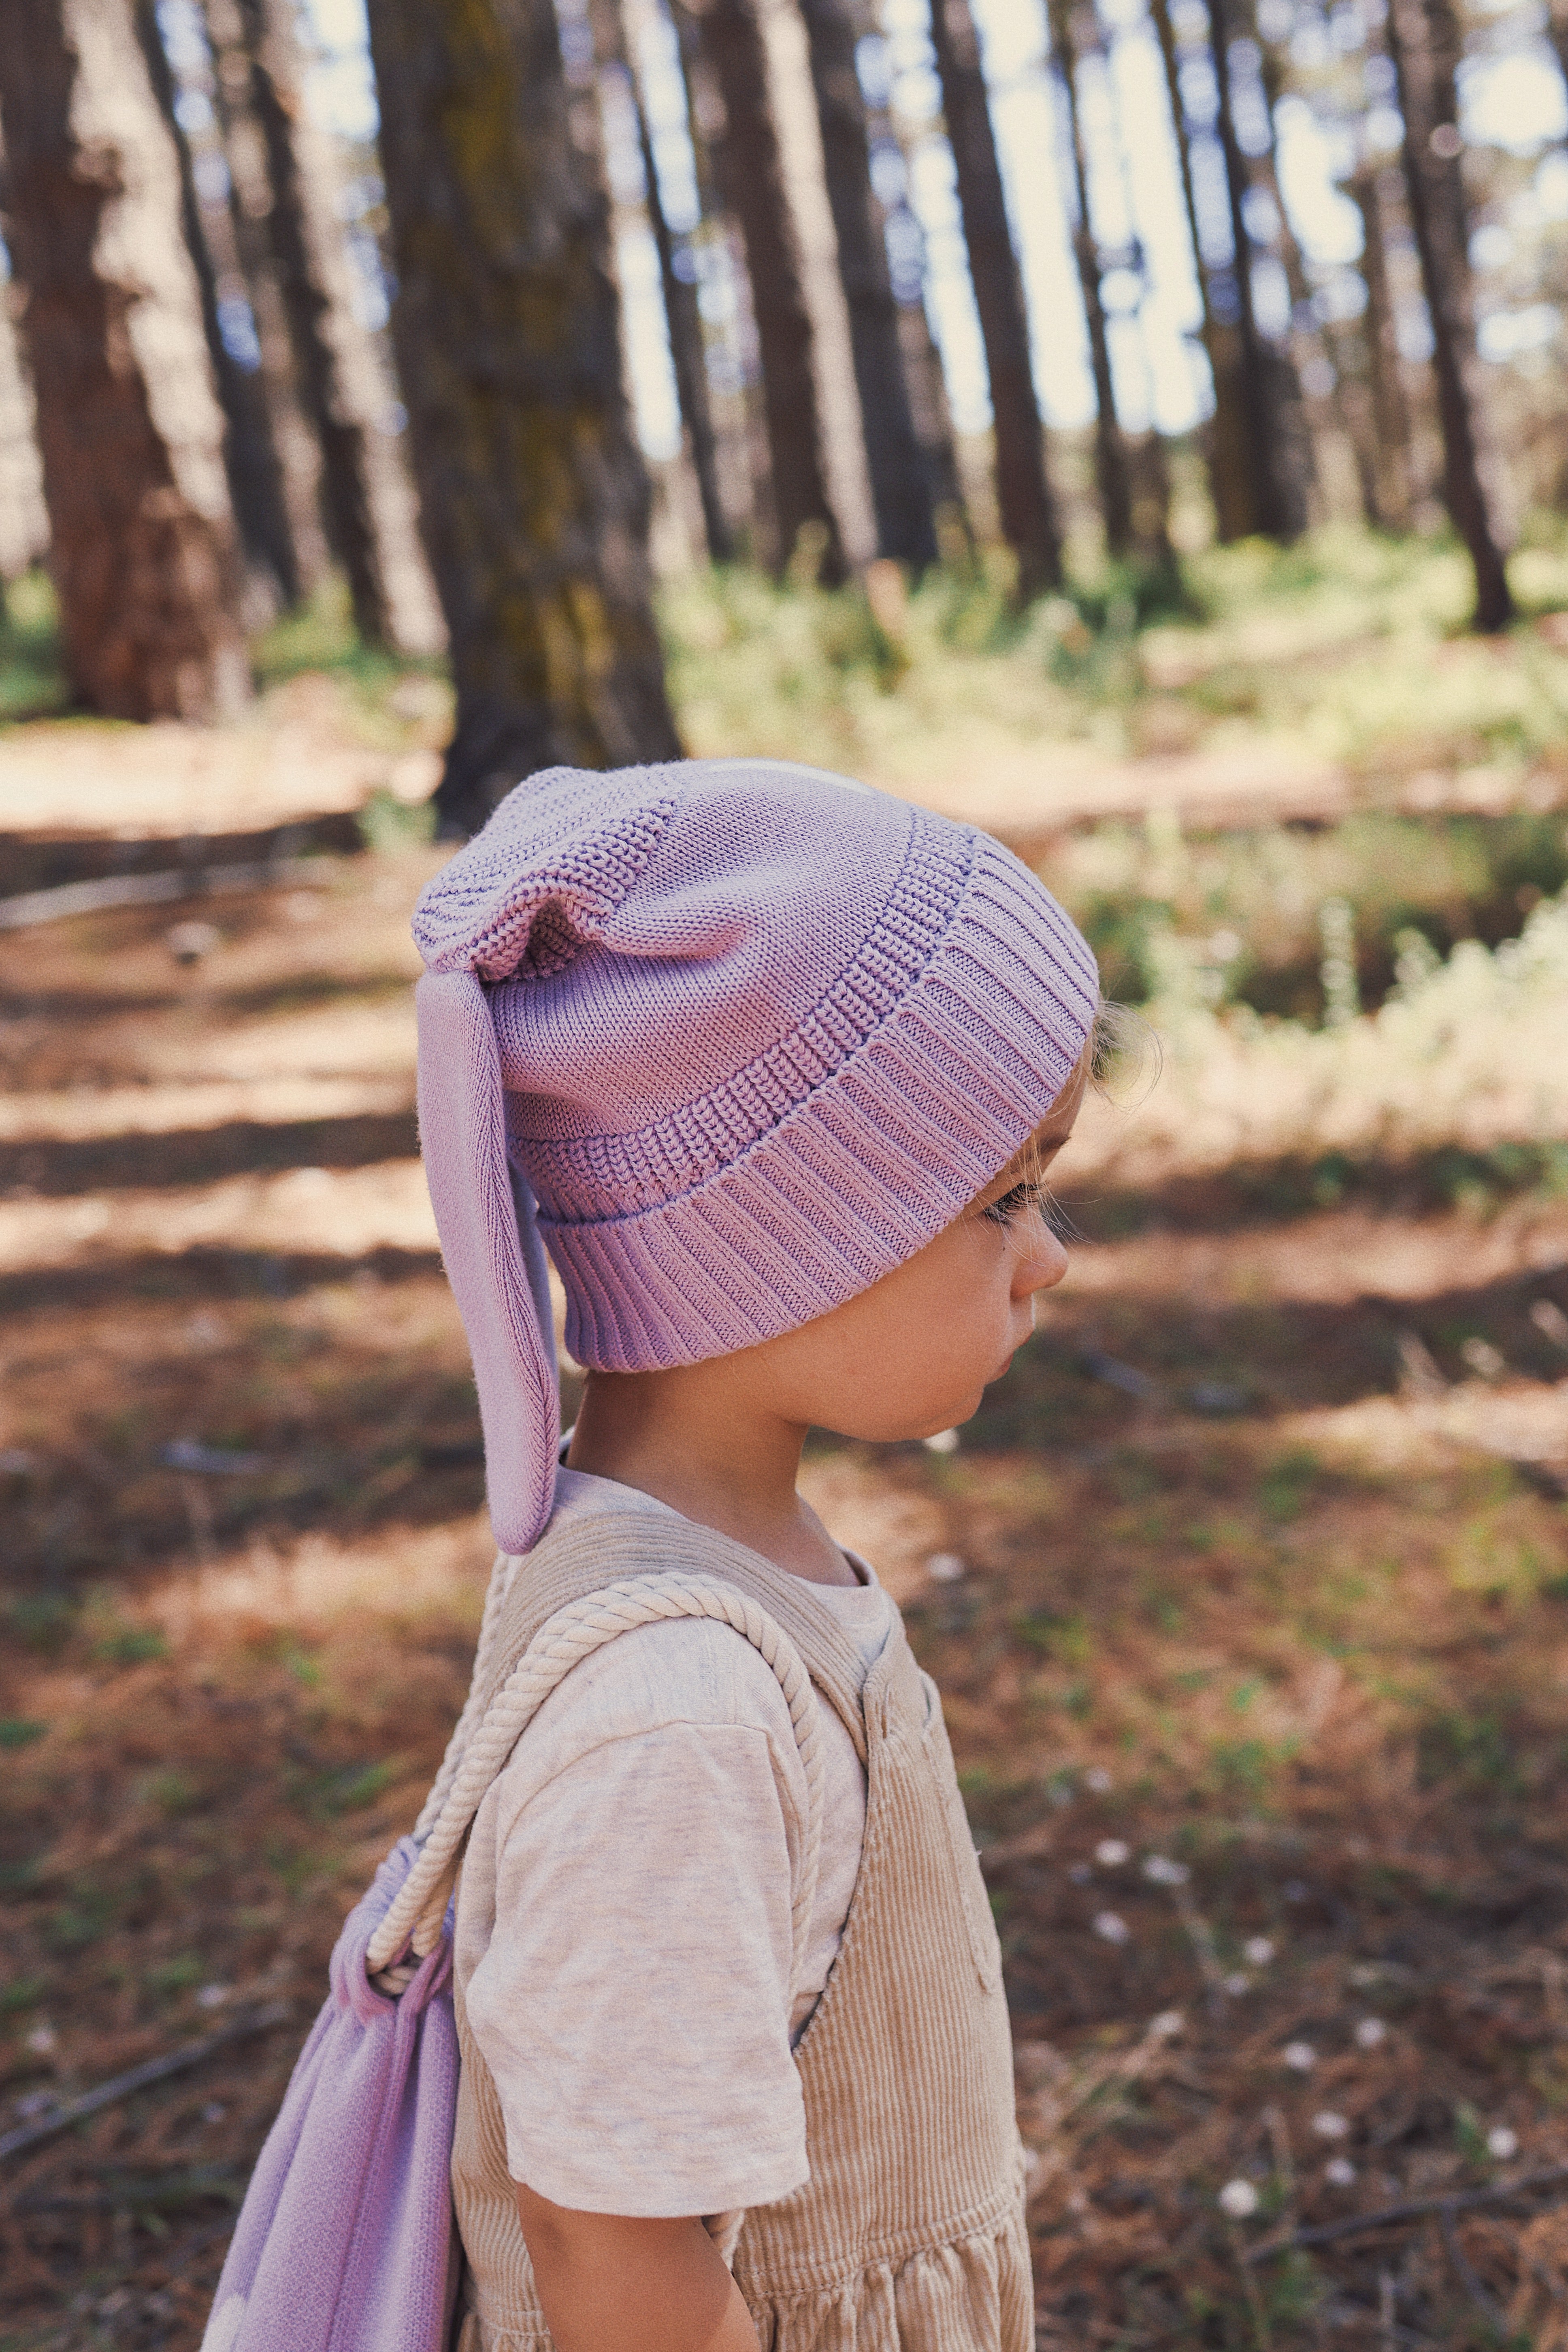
{"type": "Point", "coordinates": [1247, 1589]}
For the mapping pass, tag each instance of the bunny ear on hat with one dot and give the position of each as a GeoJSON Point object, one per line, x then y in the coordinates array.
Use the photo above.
{"type": "Point", "coordinates": [495, 1259]}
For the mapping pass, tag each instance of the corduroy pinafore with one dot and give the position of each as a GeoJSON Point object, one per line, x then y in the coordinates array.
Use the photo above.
{"type": "Point", "coordinates": [908, 2236]}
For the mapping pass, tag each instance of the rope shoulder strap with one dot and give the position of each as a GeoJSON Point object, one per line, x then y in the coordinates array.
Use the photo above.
{"type": "Point", "coordinates": [480, 1748]}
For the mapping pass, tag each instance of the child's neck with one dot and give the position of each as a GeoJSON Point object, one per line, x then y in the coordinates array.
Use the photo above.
{"type": "Point", "coordinates": [679, 1437]}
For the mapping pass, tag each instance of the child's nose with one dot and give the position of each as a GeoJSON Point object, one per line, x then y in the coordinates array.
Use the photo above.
{"type": "Point", "coordinates": [1042, 1261]}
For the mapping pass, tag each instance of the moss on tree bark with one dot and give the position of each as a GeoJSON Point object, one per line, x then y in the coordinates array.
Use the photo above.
{"type": "Point", "coordinates": [533, 494]}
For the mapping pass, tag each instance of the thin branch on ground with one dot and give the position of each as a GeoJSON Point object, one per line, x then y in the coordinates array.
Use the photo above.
{"type": "Point", "coordinates": [1413, 2209]}
{"type": "Point", "coordinates": [1470, 2278]}
{"type": "Point", "coordinates": [138, 2078]}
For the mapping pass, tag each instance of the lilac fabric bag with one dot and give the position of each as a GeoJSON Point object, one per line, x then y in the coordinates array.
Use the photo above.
{"type": "Point", "coordinates": [345, 2241]}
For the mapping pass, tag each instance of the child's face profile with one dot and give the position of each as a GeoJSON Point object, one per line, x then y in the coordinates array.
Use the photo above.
{"type": "Point", "coordinates": [913, 1354]}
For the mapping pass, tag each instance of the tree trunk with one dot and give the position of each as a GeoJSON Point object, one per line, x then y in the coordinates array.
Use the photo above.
{"type": "Point", "coordinates": [1276, 514]}
{"type": "Point", "coordinates": [1025, 503]}
{"type": "Point", "coordinates": [929, 410]}
{"type": "Point", "coordinates": [1229, 439]}
{"type": "Point", "coordinates": [1424, 43]}
{"type": "Point", "coordinates": [1112, 474]}
{"type": "Point", "coordinates": [933, 430]}
{"type": "Point", "coordinates": [23, 521]}
{"type": "Point", "coordinates": [688, 351]}
{"type": "Point", "coordinates": [335, 365]}
{"type": "Point", "coordinates": [533, 494]}
{"type": "Point", "coordinates": [249, 213]}
{"type": "Point", "coordinates": [1385, 368]}
{"type": "Point", "coordinates": [678, 279]}
{"type": "Point", "coordinates": [751, 176]}
{"type": "Point", "coordinates": [250, 454]}
{"type": "Point", "coordinates": [715, 250]}
{"type": "Point", "coordinates": [901, 492]}
{"type": "Point", "coordinates": [1318, 338]}
{"type": "Point", "coordinates": [130, 431]}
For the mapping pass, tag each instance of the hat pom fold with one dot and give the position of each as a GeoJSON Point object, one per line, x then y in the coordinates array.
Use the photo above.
{"type": "Point", "coordinates": [495, 1259]}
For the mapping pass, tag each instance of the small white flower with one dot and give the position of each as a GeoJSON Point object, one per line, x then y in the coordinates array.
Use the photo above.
{"type": "Point", "coordinates": [1502, 2143]}
{"type": "Point", "coordinates": [1111, 1927]}
{"type": "Point", "coordinates": [1110, 1853]}
{"type": "Point", "coordinates": [945, 1441]}
{"type": "Point", "coordinates": [1340, 2172]}
{"type": "Point", "coordinates": [1329, 2125]}
{"type": "Point", "coordinates": [212, 1996]}
{"type": "Point", "coordinates": [1239, 2200]}
{"type": "Point", "coordinates": [1167, 2025]}
{"type": "Point", "coordinates": [1370, 2031]}
{"type": "Point", "coordinates": [945, 1568]}
{"type": "Point", "coordinates": [1160, 1871]}
{"type": "Point", "coordinates": [1237, 1984]}
{"type": "Point", "coordinates": [43, 2042]}
{"type": "Point", "coordinates": [1258, 1951]}
{"type": "Point", "coordinates": [1098, 1780]}
{"type": "Point", "coordinates": [1300, 2056]}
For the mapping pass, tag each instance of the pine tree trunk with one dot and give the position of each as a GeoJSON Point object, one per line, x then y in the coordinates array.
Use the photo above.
{"type": "Point", "coordinates": [130, 431]}
{"type": "Point", "coordinates": [335, 368]}
{"type": "Point", "coordinates": [687, 351]}
{"type": "Point", "coordinates": [24, 520]}
{"type": "Point", "coordinates": [901, 492]}
{"type": "Point", "coordinates": [1229, 439]}
{"type": "Point", "coordinates": [1277, 514]}
{"type": "Point", "coordinates": [677, 282]}
{"type": "Point", "coordinates": [933, 430]}
{"type": "Point", "coordinates": [249, 234]}
{"type": "Point", "coordinates": [1384, 367]}
{"type": "Point", "coordinates": [929, 409]}
{"type": "Point", "coordinates": [751, 172]}
{"type": "Point", "coordinates": [250, 454]}
{"type": "Point", "coordinates": [1023, 499]}
{"type": "Point", "coordinates": [1316, 338]}
{"type": "Point", "coordinates": [1424, 43]}
{"type": "Point", "coordinates": [716, 247]}
{"type": "Point", "coordinates": [1112, 474]}
{"type": "Point", "coordinates": [533, 494]}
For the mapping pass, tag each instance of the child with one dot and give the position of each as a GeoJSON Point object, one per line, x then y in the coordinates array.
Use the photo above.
{"type": "Point", "coordinates": [774, 1064]}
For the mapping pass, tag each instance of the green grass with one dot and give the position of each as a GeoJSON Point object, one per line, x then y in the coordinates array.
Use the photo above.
{"type": "Point", "coordinates": [1351, 644]}
{"type": "Point", "coordinates": [1247, 909]}
{"type": "Point", "coordinates": [33, 683]}
{"type": "Point", "coordinates": [386, 690]}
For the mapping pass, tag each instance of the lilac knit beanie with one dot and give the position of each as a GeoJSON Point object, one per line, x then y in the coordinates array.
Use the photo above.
{"type": "Point", "coordinates": [737, 1037]}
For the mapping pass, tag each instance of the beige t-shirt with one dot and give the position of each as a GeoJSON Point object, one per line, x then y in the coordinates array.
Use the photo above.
{"type": "Point", "coordinates": [623, 1937]}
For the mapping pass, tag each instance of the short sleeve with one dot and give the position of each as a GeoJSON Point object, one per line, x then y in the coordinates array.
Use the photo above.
{"type": "Point", "coordinates": [632, 2001]}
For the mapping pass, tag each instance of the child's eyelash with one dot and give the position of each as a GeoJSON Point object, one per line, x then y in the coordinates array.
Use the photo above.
{"type": "Point", "coordinates": [1013, 1204]}
{"type": "Point", "coordinates": [1039, 1198]}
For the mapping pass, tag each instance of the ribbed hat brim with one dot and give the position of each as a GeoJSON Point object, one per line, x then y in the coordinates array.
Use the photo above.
{"type": "Point", "coordinates": [869, 1167]}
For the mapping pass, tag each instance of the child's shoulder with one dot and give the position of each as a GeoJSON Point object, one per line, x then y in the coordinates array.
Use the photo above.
{"type": "Point", "coordinates": [678, 1670]}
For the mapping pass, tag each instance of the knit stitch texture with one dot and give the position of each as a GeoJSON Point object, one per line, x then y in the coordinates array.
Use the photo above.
{"type": "Point", "coordinates": [736, 1038]}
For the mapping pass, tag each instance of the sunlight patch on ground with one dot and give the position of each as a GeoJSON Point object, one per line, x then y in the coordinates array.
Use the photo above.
{"type": "Point", "coordinates": [265, 1099]}
{"type": "Point", "coordinates": [344, 1212]}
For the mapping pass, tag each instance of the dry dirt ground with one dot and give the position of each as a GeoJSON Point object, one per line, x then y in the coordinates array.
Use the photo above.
{"type": "Point", "coordinates": [1247, 1592]}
